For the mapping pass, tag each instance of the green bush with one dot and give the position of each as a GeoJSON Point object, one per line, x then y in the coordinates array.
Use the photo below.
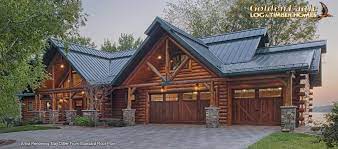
{"type": "Point", "coordinates": [83, 121]}
{"type": "Point", "coordinates": [330, 130]}
{"type": "Point", "coordinates": [9, 121]}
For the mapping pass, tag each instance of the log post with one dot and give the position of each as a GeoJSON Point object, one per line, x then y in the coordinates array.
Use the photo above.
{"type": "Point", "coordinates": [36, 103]}
{"type": "Point", "coordinates": [288, 90]}
{"type": "Point", "coordinates": [129, 98]}
{"type": "Point", "coordinates": [40, 102]}
{"type": "Point", "coordinates": [167, 59]}
{"type": "Point", "coordinates": [212, 94]}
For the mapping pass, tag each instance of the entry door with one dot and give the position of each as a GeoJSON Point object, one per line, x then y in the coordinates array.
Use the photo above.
{"type": "Point", "coordinates": [257, 106]}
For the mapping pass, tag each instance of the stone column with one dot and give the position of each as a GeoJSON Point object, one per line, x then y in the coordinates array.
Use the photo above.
{"type": "Point", "coordinates": [70, 116]}
{"type": "Point", "coordinates": [53, 116]}
{"type": "Point", "coordinates": [92, 114]}
{"type": "Point", "coordinates": [212, 117]}
{"type": "Point", "coordinates": [129, 116]}
{"type": "Point", "coordinates": [288, 118]}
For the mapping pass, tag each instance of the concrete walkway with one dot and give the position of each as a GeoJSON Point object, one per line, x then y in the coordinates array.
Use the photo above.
{"type": "Point", "coordinates": [141, 137]}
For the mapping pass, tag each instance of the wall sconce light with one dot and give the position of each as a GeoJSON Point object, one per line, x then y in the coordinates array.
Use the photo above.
{"type": "Point", "coordinates": [159, 57]}
{"type": "Point", "coordinates": [62, 66]}
{"type": "Point", "coordinates": [196, 87]}
{"type": "Point", "coordinates": [82, 92]}
{"type": "Point", "coordinates": [162, 89]}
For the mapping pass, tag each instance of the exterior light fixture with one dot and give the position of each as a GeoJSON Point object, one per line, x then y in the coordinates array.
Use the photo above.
{"type": "Point", "coordinates": [159, 57]}
{"type": "Point", "coordinates": [279, 88]}
{"type": "Point", "coordinates": [162, 89]}
{"type": "Point", "coordinates": [62, 66]}
{"type": "Point", "coordinates": [68, 80]}
{"type": "Point", "coordinates": [196, 87]}
{"type": "Point", "coordinates": [82, 92]}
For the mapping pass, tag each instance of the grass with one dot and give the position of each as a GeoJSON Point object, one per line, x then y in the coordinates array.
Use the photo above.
{"type": "Point", "coordinates": [281, 140]}
{"type": "Point", "coordinates": [27, 128]}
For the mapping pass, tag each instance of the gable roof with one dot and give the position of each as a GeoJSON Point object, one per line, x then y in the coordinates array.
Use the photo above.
{"type": "Point", "coordinates": [236, 47]}
{"type": "Point", "coordinates": [237, 53]}
{"type": "Point", "coordinates": [96, 67]}
{"type": "Point", "coordinates": [229, 54]}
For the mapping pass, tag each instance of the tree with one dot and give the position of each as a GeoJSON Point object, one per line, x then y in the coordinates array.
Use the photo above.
{"type": "Point", "coordinates": [209, 17]}
{"type": "Point", "coordinates": [330, 130]}
{"type": "Point", "coordinates": [25, 25]}
{"type": "Point", "coordinates": [125, 42]}
{"type": "Point", "coordinates": [81, 40]}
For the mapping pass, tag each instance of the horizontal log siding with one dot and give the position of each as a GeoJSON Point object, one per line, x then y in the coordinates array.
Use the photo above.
{"type": "Point", "coordinates": [27, 115]}
{"type": "Point", "coordinates": [301, 91]}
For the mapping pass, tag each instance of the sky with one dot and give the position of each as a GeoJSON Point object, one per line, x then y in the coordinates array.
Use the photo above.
{"type": "Point", "coordinates": [109, 18]}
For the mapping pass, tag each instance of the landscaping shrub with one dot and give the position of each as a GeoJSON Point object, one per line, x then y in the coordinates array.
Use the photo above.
{"type": "Point", "coordinates": [330, 130]}
{"type": "Point", "coordinates": [116, 123]}
{"type": "Point", "coordinates": [9, 121]}
{"type": "Point", "coordinates": [83, 121]}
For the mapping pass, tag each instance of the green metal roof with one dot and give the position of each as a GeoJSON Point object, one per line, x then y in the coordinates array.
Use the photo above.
{"type": "Point", "coordinates": [229, 54]}
{"type": "Point", "coordinates": [96, 67]}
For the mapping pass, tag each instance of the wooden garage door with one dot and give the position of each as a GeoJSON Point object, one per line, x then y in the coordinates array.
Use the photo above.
{"type": "Point", "coordinates": [257, 106]}
{"type": "Point", "coordinates": [179, 107]}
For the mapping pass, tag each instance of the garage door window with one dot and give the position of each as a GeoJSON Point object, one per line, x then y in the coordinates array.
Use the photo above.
{"type": "Point", "coordinates": [171, 97]}
{"type": "Point", "coordinates": [156, 97]}
{"type": "Point", "coordinates": [270, 92]}
{"type": "Point", "coordinates": [190, 96]}
{"type": "Point", "coordinates": [244, 93]}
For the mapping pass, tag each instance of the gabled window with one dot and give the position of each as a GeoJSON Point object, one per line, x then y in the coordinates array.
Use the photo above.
{"type": "Point", "coordinates": [176, 58]}
{"type": "Point", "coordinates": [30, 106]}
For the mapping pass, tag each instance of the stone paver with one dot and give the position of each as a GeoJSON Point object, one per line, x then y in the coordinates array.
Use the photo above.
{"type": "Point", "coordinates": [151, 136]}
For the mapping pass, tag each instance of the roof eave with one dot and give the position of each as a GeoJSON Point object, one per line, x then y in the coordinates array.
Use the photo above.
{"type": "Point", "coordinates": [299, 69]}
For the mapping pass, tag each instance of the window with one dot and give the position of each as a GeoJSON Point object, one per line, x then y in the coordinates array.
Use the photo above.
{"type": "Point", "coordinates": [30, 106]}
{"type": "Point", "coordinates": [156, 97]}
{"type": "Point", "coordinates": [47, 106]}
{"type": "Point", "coordinates": [205, 95]}
{"type": "Point", "coordinates": [171, 97]}
{"type": "Point", "coordinates": [190, 96]}
{"type": "Point", "coordinates": [176, 59]}
{"type": "Point", "coordinates": [77, 79]}
{"type": "Point", "coordinates": [270, 92]}
{"type": "Point", "coordinates": [244, 93]}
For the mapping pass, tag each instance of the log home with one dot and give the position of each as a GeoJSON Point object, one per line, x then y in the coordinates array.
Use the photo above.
{"type": "Point", "coordinates": [231, 78]}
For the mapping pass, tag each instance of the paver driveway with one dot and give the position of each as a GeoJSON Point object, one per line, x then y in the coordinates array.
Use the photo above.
{"type": "Point", "coordinates": [142, 136]}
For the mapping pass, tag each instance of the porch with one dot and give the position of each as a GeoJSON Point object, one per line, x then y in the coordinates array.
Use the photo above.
{"type": "Point", "coordinates": [62, 105]}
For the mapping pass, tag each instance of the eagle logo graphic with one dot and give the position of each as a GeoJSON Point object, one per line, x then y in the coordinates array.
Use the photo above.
{"type": "Point", "coordinates": [325, 12]}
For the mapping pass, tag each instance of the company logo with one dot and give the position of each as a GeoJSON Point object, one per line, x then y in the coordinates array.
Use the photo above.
{"type": "Point", "coordinates": [325, 12]}
{"type": "Point", "coordinates": [289, 11]}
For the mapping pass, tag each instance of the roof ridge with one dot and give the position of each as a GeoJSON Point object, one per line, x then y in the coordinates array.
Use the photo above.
{"type": "Point", "coordinates": [77, 44]}
{"type": "Point", "coordinates": [288, 47]}
{"type": "Point", "coordinates": [227, 33]}
{"type": "Point", "coordinates": [182, 32]}
{"type": "Point", "coordinates": [305, 42]}
{"type": "Point", "coordinates": [109, 56]}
